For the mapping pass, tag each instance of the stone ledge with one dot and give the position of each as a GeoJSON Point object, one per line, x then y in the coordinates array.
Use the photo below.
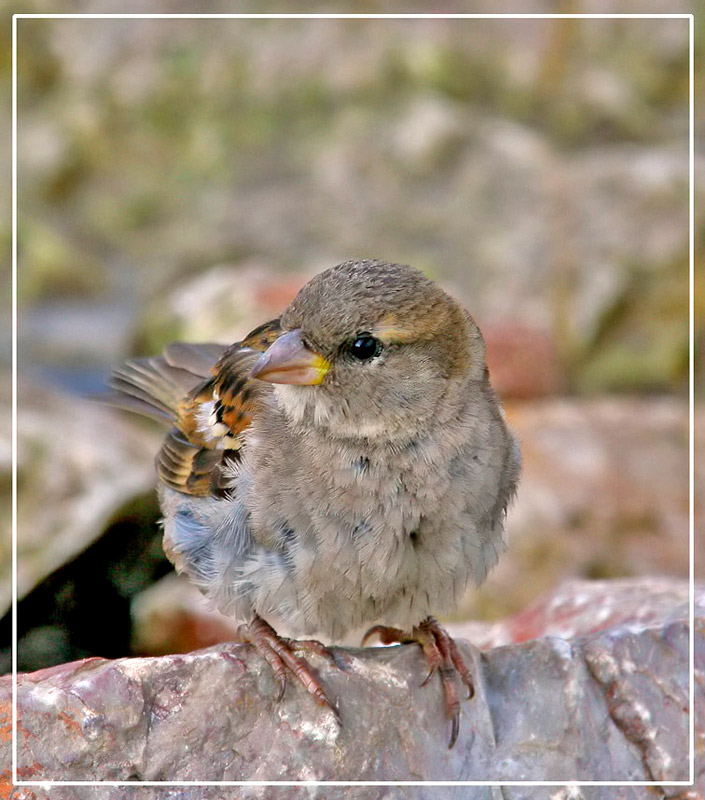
{"type": "Point", "coordinates": [611, 704]}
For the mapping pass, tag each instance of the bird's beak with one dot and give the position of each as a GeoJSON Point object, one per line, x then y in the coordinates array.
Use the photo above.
{"type": "Point", "coordinates": [289, 360]}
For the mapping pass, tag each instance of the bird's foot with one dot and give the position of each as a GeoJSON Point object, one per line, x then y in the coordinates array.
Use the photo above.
{"type": "Point", "coordinates": [280, 654]}
{"type": "Point", "coordinates": [442, 656]}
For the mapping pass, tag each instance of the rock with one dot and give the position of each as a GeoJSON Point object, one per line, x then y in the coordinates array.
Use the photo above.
{"type": "Point", "coordinates": [513, 375]}
{"type": "Point", "coordinates": [603, 494]}
{"type": "Point", "coordinates": [579, 608]}
{"type": "Point", "coordinates": [222, 304]}
{"type": "Point", "coordinates": [86, 527]}
{"type": "Point", "coordinates": [78, 464]}
{"type": "Point", "coordinates": [611, 704]}
{"type": "Point", "coordinates": [171, 617]}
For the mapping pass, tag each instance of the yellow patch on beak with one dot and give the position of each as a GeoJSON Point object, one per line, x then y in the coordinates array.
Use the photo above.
{"type": "Point", "coordinates": [289, 360]}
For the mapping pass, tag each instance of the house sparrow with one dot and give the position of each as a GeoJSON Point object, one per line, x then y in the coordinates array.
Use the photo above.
{"type": "Point", "coordinates": [345, 465]}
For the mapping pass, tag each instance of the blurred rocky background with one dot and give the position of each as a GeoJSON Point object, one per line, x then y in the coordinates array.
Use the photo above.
{"type": "Point", "coordinates": [183, 178]}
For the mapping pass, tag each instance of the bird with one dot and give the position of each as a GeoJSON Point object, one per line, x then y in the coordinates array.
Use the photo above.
{"type": "Point", "coordinates": [344, 466]}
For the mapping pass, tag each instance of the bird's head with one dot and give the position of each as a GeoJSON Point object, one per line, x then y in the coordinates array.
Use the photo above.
{"type": "Point", "coordinates": [374, 350]}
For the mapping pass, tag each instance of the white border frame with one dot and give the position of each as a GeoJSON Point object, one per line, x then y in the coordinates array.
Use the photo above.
{"type": "Point", "coordinates": [691, 395]}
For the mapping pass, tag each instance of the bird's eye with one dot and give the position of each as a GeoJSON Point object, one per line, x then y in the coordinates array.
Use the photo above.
{"type": "Point", "coordinates": [365, 347]}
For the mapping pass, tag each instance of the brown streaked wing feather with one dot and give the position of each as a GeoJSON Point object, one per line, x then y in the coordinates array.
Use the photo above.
{"type": "Point", "coordinates": [198, 462]}
{"type": "Point", "coordinates": [188, 468]}
{"type": "Point", "coordinates": [190, 461]}
{"type": "Point", "coordinates": [260, 338]}
{"type": "Point", "coordinates": [237, 394]}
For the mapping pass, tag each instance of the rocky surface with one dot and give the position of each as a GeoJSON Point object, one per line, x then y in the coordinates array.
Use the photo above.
{"type": "Point", "coordinates": [86, 526]}
{"type": "Point", "coordinates": [78, 463]}
{"type": "Point", "coordinates": [604, 493]}
{"type": "Point", "coordinates": [607, 700]}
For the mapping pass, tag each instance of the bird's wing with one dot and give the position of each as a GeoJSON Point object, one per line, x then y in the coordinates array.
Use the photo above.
{"type": "Point", "coordinates": [206, 393]}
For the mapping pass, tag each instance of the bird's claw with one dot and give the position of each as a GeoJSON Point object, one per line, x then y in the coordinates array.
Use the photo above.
{"type": "Point", "coordinates": [387, 635]}
{"type": "Point", "coordinates": [281, 656]}
{"type": "Point", "coordinates": [442, 656]}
